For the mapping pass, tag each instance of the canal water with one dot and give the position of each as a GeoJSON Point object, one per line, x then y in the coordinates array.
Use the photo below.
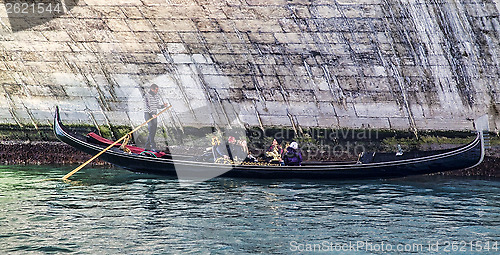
{"type": "Point", "coordinates": [113, 211]}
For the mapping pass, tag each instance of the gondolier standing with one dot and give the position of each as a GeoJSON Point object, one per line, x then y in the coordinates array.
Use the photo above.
{"type": "Point", "coordinates": [152, 105]}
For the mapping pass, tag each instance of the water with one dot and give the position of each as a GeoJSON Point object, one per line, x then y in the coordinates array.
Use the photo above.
{"type": "Point", "coordinates": [112, 211]}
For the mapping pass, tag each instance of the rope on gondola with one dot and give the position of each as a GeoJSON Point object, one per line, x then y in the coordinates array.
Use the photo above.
{"type": "Point", "coordinates": [123, 147]}
{"type": "Point", "coordinates": [148, 152]}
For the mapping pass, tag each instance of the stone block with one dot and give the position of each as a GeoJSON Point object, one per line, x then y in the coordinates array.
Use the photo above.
{"type": "Point", "coordinates": [188, 81]}
{"type": "Point", "coordinates": [324, 95]}
{"type": "Point", "coordinates": [42, 116]}
{"type": "Point", "coordinates": [215, 12]}
{"type": "Point", "coordinates": [360, 122]}
{"type": "Point", "coordinates": [307, 121]}
{"type": "Point", "coordinates": [326, 11]}
{"type": "Point", "coordinates": [328, 122]}
{"type": "Point", "coordinates": [301, 11]}
{"type": "Point", "coordinates": [168, 25]}
{"type": "Point", "coordinates": [303, 108]}
{"type": "Point", "coordinates": [304, 95]}
{"type": "Point", "coordinates": [116, 2]}
{"type": "Point", "coordinates": [289, 82]}
{"type": "Point", "coordinates": [343, 109]}
{"type": "Point", "coordinates": [256, 37]}
{"type": "Point", "coordinates": [223, 58]}
{"type": "Point", "coordinates": [272, 108]}
{"type": "Point", "coordinates": [272, 95]}
{"type": "Point", "coordinates": [108, 12]}
{"type": "Point", "coordinates": [378, 84]}
{"type": "Point", "coordinates": [361, 11]}
{"type": "Point", "coordinates": [252, 94]}
{"type": "Point", "coordinates": [207, 25]}
{"type": "Point", "coordinates": [80, 91]}
{"type": "Point", "coordinates": [345, 70]}
{"type": "Point", "coordinates": [232, 70]}
{"type": "Point", "coordinates": [267, 2]}
{"type": "Point", "coordinates": [181, 58]}
{"type": "Point", "coordinates": [376, 71]}
{"type": "Point", "coordinates": [117, 117]}
{"type": "Point", "coordinates": [401, 123]}
{"type": "Point", "coordinates": [38, 91]}
{"type": "Point", "coordinates": [251, 120]}
{"type": "Point", "coordinates": [172, 92]}
{"type": "Point", "coordinates": [220, 49]}
{"type": "Point", "coordinates": [326, 109]}
{"type": "Point", "coordinates": [258, 26]}
{"type": "Point", "coordinates": [358, 2]}
{"type": "Point", "coordinates": [275, 120]}
{"type": "Point", "coordinates": [207, 69]}
{"type": "Point", "coordinates": [217, 81]}
{"type": "Point", "coordinates": [379, 109]}
{"type": "Point", "coordinates": [322, 85]}
{"type": "Point", "coordinates": [289, 25]}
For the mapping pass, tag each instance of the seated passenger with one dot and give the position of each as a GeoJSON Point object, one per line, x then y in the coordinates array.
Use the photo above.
{"type": "Point", "coordinates": [238, 149]}
{"type": "Point", "coordinates": [219, 149]}
{"type": "Point", "coordinates": [274, 152]}
{"type": "Point", "coordinates": [292, 155]}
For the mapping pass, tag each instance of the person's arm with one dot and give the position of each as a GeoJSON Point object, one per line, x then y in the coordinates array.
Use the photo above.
{"type": "Point", "coordinates": [161, 104]}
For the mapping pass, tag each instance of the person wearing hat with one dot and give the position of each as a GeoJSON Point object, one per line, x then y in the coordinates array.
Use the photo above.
{"type": "Point", "coordinates": [293, 157]}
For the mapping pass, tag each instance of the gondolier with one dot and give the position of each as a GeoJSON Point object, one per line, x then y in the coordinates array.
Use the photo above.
{"type": "Point", "coordinates": [151, 106]}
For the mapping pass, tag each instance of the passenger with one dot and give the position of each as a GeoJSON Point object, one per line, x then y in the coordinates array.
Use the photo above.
{"type": "Point", "coordinates": [218, 149]}
{"type": "Point", "coordinates": [293, 157]}
{"type": "Point", "coordinates": [274, 152]}
{"type": "Point", "coordinates": [226, 150]}
{"type": "Point", "coordinates": [244, 146]}
{"type": "Point", "coordinates": [233, 150]}
{"type": "Point", "coordinates": [238, 149]}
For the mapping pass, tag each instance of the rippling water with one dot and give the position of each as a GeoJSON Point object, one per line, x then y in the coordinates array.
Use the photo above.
{"type": "Point", "coordinates": [114, 211]}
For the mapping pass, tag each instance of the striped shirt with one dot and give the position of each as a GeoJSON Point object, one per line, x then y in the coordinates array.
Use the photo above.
{"type": "Point", "coordinates": [152, 103]}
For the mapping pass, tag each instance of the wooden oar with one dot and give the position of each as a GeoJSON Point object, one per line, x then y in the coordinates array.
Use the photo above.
{"type": "Point", "coordinates": [113, 144]}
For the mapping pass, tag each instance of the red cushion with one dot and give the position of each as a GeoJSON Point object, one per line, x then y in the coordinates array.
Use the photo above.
{"type": "Point", "coordinates": [133, 149]}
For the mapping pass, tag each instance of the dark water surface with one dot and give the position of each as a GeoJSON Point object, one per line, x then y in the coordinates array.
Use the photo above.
{"type": "Point", "coordinates": [114, 211]}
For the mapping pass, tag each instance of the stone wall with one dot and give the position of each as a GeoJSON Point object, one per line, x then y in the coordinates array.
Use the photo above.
{"type": "Point", "coordinates": [418, 64]}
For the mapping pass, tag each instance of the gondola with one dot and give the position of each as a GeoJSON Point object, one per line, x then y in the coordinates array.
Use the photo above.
{"type": "Point", "coordinates": [377, 165]}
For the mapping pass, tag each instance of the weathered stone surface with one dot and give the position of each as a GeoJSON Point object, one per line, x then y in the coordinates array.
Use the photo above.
{"type": "Point", "coordinates": [380, 64]}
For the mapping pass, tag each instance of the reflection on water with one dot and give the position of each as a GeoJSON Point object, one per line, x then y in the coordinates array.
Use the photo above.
{"type": "Point", "coordinates": [114, 211]}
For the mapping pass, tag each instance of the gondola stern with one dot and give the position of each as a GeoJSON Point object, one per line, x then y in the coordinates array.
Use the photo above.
{"type": "Point", "coordinates": [482, 125]}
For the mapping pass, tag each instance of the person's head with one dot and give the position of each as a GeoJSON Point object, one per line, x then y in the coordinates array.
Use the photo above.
{"type": "Point", "coordinates": [294, 145]}
{"type": "Point", "coordinates": [154, 88]}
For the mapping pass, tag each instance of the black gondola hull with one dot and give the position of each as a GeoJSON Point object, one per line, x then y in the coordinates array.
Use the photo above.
{"type": "Point", "coordinates": [460, 158]}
